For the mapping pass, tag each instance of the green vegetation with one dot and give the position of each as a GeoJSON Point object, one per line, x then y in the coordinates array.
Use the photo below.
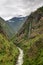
{"type": "Point", "coordinates": [40, 9]}
{"type": "Point", "coordinates": [33, 50]}
{"type": "Point", "coordinates": [32, 44]}
{"type": "Point", "coordinates": [29, 38]}
{"type": "Point", "coordinates": [6, 28]}
{"type": "Point", "coordinates": [8, 51]}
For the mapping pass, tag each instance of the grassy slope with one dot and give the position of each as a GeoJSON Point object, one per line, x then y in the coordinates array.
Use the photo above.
{"type": "Point", "coordinates": [33, 50]}
{"type": "Point", "coordinates": [8, 51]}
{"type": "Point", "coordinates": [33, 47]}
{"type": "Point", "coordinates": [6, 28]}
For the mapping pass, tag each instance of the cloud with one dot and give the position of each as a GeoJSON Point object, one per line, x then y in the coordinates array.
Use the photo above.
{"type": "Point", "coordinates": [12, 8]}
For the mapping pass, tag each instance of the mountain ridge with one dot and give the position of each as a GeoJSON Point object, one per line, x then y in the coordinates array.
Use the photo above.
{"type": "Point", "coordinates": [11, 28]}
{"type": "Point", "coordinates": [30, 38]}
{"type": "Point", "coordinates": [32, 20]}
{"type": "Point", "coordinates": [16, 23]}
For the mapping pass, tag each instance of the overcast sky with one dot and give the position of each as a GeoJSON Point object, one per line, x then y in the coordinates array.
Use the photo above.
{"type": "Point", "coordinates": [12, 8]}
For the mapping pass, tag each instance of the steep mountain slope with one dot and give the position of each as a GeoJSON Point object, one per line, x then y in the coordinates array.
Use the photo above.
{"type": "Point", "coordinates": [7, 30]}
{"type": "Point", "coordinates": [16, 23]}
{"type": "Point", "coordinates": [31, 22]}
{"type": "Point", "coordinates": [30, 38]}
{"type": "Point", "coordinates": [11, 27]}
{"type": "Point", "coordinates": [8, 54]}
{"type": "Point", "coordinates": [8, 51]}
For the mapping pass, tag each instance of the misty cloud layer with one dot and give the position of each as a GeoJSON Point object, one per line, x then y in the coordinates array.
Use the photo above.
{"type": "Point", "coordinates": [12, 8]}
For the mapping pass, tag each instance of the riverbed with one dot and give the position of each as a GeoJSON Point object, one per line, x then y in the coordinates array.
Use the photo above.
{"type": "Point", "coordinates": [20, 57]}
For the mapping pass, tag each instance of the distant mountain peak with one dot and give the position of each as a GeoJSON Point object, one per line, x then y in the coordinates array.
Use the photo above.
{"type": "Point", "coordinates": [16, 23]}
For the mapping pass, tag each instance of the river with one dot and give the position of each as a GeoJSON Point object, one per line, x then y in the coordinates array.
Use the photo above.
{"type": "Point", "coordinates": [20, 57]}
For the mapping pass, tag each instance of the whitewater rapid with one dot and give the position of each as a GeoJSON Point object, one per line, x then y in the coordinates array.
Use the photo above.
{"type": "Point", "coordinates": [20, 57]}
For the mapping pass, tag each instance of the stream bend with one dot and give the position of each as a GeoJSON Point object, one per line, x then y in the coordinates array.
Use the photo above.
{"type": "Point", "coordinates": [20, 57]}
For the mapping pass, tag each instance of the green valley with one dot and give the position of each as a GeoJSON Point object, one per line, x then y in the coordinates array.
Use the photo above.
{"type": "Point", "coordinates": [29, 39]}
{"type": "Point", "coordinates": [8, 52]}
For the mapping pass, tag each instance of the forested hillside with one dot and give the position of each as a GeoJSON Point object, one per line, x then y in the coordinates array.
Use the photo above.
{"type": "Point", "coordinates": [8, 51]}
{"type": "Point", "coordinates": [30, 38]}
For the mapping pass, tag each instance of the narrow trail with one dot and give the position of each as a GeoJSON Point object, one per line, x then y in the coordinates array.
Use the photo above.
{"type": "Point", "coordinates": [20, 57]}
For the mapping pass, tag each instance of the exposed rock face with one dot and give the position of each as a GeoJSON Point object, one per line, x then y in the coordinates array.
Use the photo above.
{"type": "Point", "coordinates": [31, 23]}
{"type": "Point", "coordinates": [33, 47]}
